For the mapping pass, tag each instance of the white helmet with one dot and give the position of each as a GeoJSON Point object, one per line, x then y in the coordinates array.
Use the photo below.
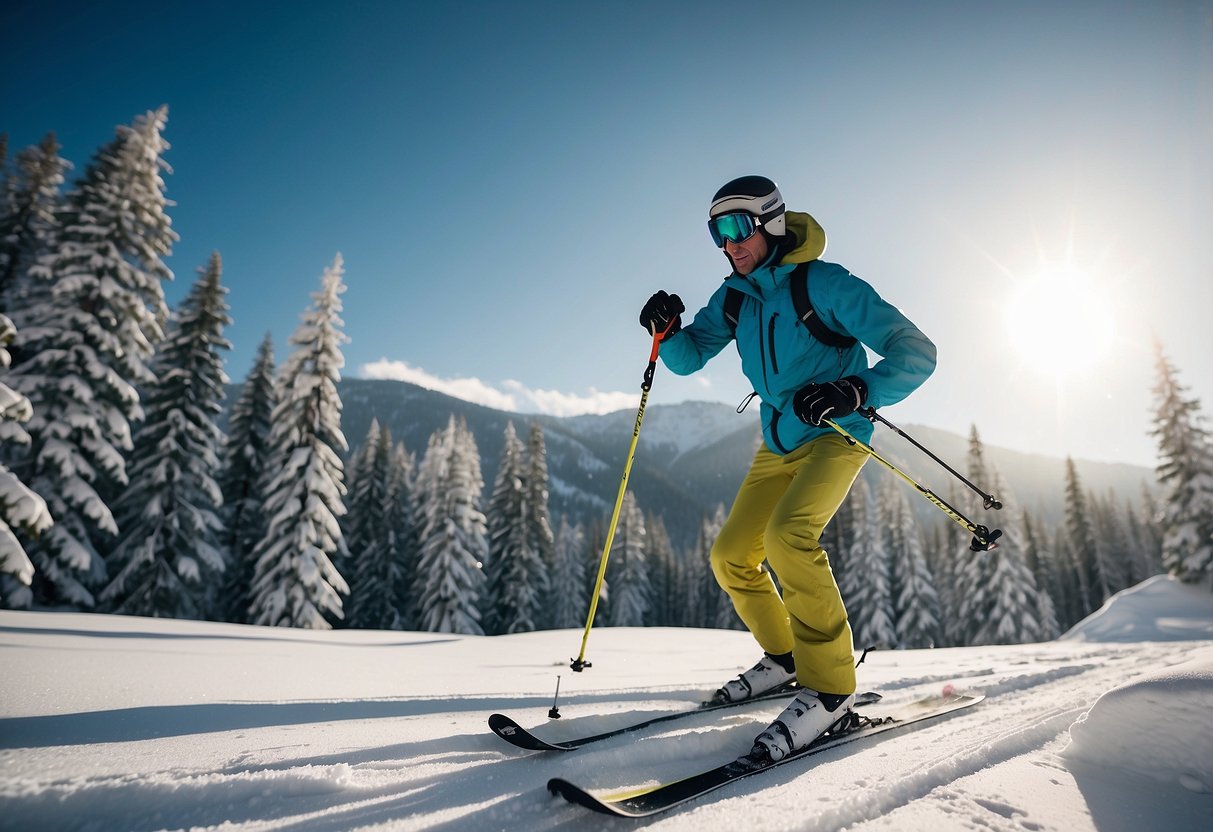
{"type": "Point", "coordinates": [754, 195]}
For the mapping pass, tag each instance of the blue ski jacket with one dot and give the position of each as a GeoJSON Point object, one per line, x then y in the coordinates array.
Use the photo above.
{"type": "Point", "coordinates": [778, 354]}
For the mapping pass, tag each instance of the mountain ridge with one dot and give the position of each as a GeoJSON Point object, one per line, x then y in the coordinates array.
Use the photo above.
{"type": "Point", "coordinates": [692, 455]}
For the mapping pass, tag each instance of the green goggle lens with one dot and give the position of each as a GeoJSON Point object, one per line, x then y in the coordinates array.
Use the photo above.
{"type": "Point", "coordinates": [735, 228]}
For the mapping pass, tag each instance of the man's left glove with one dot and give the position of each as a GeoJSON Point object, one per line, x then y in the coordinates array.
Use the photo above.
{"type": "Point", "coordinates": [831, 400]}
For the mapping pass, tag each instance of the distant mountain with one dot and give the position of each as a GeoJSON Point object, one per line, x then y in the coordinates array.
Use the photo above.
{"type": "Point", "coordinates": [692, 456]}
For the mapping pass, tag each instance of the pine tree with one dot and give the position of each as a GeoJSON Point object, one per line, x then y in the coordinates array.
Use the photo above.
{"type": "Point", "coordinates": [401, 521]}
{"type": "Point", "coordinates": [570, 598]}
{"type": "Point", "coordinates": [1137, 541]}
{"type": "Point", "coordinates": [168, 557]}
{"type": "Point", "coordinates": [540, 536]}
{"type": "Point", "coordinates": [1185, 470]}
{"type": "Point", "coordinates": [870, 606]}
{"type": "Point", "coordinates": [241, 479]}
{"type": "Point", "coordinates": [915, 601]}
{"type": "Point", "coordinates": [453, 540]}
{"type": "Point", "coordinates": [295, 583]}
{"type": "Point", "coordinates": [664, 581]}
{"type": "Point", "coordinates": [1041, 562]}
{"type": "Point", "coordinates": [974, 571]}
{"type": "Point", "coordinates": [1093, 583]}
{"type": "Point", "coordinates": [93, 312]}
{"type": "Point", "coordinates": [1152, 535]}
{"type": "Point", "coordinates": [708, 602]}
{"type": "Point", "coordinates": [1004, 609]}
{"type": "Point", "coordinates": [376, 574]}
{"type": "Point", "coordinates": [515, 573]}
{"type": "Point", "coordinates": [1111, 540]}
{"type": "Point", "coordinates": [628, 568]}
{"type": "Point", "coordinates": [27, 217]}
{"type": "Point", "coordinates": [20, 508]}
{"type": "Point", "coordinates": [1071, 606]}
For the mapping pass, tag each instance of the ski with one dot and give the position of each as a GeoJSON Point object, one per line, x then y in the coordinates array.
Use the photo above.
{"type": "Point", "coordinates": [659, 798]}
{"type": "Point", "coordinates": [513, 733]}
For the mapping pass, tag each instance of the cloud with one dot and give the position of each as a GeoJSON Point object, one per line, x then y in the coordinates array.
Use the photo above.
{"type": "Point", "coordinates": [510, 395]}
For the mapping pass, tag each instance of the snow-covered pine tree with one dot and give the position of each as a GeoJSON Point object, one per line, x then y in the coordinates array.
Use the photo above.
{"type": "Point", "coordinates": [1093, 583]}
{"type": "Point", "coordinates": [1071, 606]}
{"type": "Point", "coordinates": [376, 576]}
{"type": "Point", "coordinates": [663, 573]}
{"type": "Point", "coordinates": [360, 524]}
{"type": "Point", "coordinates": [915, 601]}
{"type": "Point", "coordinates": [1137, 542]}
{"type": "Point", "coordinates": [709, 602]}
{"type": "Point", "coordinates": [974, 571]}
{"type": "Point", "coordinates": [628, 569]}
{"type": "Point", "coordinates": [1151, 530]}
{"type": "Point", "coordinates": [1185, 471]}
{"type": "Point", "coordinates": [1004, 609]}
{"type": "Point", "coordinates": [570, 601]}
{"type": "Point", "coordinates": [88, 325]}
{"type": "Point", "coordinates": [295, 583]}
{"type": "Point", "coordinates": [540, 536]}
{"type": "Point", "coordinates": [1041, 562]}
{"type": "Point", "coordinates": [515, 575]}
{"type": "Point", "coordinates": [401, 520]}
{"type": "Point", "coordinates": [454, 543]}
{"type": "Point", "coordinates": [1111, 539]}
{"type": "Point", "coordinates": [870, 606]}
{"type": "Point", "coordinates": [21, 510]}
{"type": "Point", "coordinates": [950, 563]}
{"type": "Point", "coordinates": [168, 559]}
{"type": "Point", "coordinates": [31, 199]}
{"type": "Point", "coordinates": [242, 477]}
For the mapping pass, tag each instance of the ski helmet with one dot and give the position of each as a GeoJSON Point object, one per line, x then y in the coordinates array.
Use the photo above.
{"type": "Point", "coordinates": [754, 195]}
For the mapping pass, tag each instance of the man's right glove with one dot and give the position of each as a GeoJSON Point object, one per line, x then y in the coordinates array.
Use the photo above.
{"type": "Point", "coordinates": [661, 309]}
{"type": "Point", "coordinates": [831, 400]}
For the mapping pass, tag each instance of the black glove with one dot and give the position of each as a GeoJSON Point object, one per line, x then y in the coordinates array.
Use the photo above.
{"type": "Point", "coordinates": [659, 311]}
{"type": "Point", "coordinates": [831, 400]}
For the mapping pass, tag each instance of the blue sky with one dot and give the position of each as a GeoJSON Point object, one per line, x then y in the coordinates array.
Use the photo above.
{"type": "Point", "coordinates": [508, 182]}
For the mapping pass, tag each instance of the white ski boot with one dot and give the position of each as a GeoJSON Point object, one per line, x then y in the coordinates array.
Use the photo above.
{"type": "Point", "coordinates": [764, 677]}
{"type": "Point", "coordinates": [809, 716]}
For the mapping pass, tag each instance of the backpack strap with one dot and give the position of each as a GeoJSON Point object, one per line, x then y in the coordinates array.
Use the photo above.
{"type": "Point", "coordinates": [808, 316]}
{"type": "Point", "coordinates": [732, 307]}
{"type": "Point", "coordinates": [799, 280]}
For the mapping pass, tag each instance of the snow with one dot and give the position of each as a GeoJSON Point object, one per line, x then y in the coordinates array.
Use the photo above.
{"type": "Point", "coordinates": [112, 722]}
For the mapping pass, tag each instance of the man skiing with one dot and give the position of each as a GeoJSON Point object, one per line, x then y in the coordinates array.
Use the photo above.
{"type": "Point", "coordinates": [804, 372]}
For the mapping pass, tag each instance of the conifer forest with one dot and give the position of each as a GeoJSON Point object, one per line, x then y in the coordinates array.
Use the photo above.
{"type": "Point", "coordinates": [131, 484]}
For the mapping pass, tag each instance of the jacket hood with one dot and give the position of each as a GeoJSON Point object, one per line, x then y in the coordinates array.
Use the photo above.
{"type": "Point", "coordinates": [810, 238]}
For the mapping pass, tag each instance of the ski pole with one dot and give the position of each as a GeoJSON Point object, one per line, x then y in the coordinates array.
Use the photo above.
{"type": "Point", "coordinates": [983, 537]}
{"type": "Point", "coordinates": [989, 500]}
{"type": "Point", "coordinates": [579, 663]}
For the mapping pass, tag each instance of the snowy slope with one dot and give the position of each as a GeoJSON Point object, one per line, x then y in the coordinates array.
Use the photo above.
{"type": "Point", "coordinates": [109, 722]}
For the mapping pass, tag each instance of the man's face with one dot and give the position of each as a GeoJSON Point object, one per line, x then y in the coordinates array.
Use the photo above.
{"type": "Point", "coordinates": [745, 256]}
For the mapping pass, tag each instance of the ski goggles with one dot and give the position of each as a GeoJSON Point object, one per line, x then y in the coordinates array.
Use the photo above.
{"type": "Point", "coordinates": [735, 228]}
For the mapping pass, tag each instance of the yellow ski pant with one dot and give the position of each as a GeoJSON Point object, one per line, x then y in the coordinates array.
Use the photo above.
{"type": "Point", "coordinates": [781, 509]}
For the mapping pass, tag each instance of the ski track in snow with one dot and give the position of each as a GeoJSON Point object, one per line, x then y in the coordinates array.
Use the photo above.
{"type": "Point", "coordinates": [1008, 723]}
{"type": "Point", "coordinates": [425, 763]}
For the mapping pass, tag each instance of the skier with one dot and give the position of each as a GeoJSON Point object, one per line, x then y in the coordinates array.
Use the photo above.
{"type": "Point", "coordinates": [803, 469]}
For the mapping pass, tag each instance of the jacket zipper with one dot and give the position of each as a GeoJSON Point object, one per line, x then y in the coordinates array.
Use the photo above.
{"type": "Point", "coordinates": [771, 339]}
{"type": "Point", "coordinates": [762, 353]}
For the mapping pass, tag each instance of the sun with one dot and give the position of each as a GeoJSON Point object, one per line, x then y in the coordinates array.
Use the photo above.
{"type": "Point", "coordinates": [1060, 321]}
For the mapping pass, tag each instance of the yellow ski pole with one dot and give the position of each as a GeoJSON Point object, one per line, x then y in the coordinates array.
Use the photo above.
{"type": "Point", "coordinates": [579, 663]}
{"type": "Point", "coordinates": [983, 538]}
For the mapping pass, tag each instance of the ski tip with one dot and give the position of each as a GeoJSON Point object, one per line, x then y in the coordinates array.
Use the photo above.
{"type": "Point", "coordinates": [580, 797]}
{"type": "Point", "coordinates": [499, 721]}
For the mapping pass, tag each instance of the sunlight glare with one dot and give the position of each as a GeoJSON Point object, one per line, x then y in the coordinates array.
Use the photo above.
{"type": "Point", "coordinates": [1060, 322]}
